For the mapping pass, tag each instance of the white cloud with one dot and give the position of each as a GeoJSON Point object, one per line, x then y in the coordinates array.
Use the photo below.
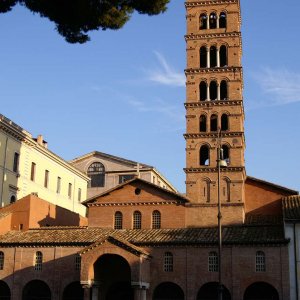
{"type": "Point", "coordinates": [165, 74]}
{"type": "Point", "coordinates": [281, 86]}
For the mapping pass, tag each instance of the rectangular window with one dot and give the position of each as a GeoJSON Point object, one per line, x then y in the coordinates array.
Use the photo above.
{"type": "Point", "coordinates": [79, 195]}
{"type": "Point", "coordinates": [46, 181]}
{"type": "Point", "coordinates": [58, 185]}
{"type": "Point", "coordinates": [70, 190]}
{"type": "Point", "coordinates": [16, 162]}
{"type": "Point", "coordinates": [123, 178]}
{"type": "Point", "coordinates": [77, 262]}
{"type": "Point", "coordinates": [32, 174]}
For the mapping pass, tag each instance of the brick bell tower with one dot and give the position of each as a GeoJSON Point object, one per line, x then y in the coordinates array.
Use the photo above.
{"type": "Point", "coordinates": [214, 101]}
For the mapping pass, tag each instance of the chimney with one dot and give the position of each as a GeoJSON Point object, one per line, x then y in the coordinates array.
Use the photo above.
{"type": "Point", "coordinates": [40, 140]}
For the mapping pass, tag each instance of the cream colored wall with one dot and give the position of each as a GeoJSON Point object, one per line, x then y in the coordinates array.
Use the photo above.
{"type": "Point", "coordinates": [43, 162]}
{"type": "Point", "coordinates": [8, 179]}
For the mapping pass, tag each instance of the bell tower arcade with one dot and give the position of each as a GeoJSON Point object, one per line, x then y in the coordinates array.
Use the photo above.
{"type": "Point", "coordinates": [214, 108]}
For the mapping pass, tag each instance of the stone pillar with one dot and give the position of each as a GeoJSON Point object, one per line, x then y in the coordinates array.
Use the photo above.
{"type": "Point", "coordinates": [208, 57]}
{"type": "Point", "coordinates": [218, 92]}
{"type": "Point", "coordinates": [218, 21]}
{"type": "Point", "coordinates": [208, 92]}
{"type": "Point", "coordinates": [218, 57]}
{"type": "Point", "coordinates": [95, 290]}
{"type": "Point", "coordinates": [86, 285]}
{"type": "Point", "coordinates": [207, 22]}
{"type": "Point", "coordinates": [140, 290]}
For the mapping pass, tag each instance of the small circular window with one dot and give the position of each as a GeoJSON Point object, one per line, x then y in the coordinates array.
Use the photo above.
{"type": "Point", "coordinates": [137, 191]}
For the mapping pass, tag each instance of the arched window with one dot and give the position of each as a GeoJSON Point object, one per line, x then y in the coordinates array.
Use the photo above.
{"type": "Point", "coordinates": [118, 224]}
{"type": "Point", "coordinates": [137, 220]}
{"type": "Point", "coordinates": [226, 189]}
{"type": "Point", "coordinates": [203, 91]}
{"type": "Point", "coordinates": [223, 56]}
{"type": "Point", "coordinates": [13, 199]}
{"type": "Point", "coordinates": [223, 90]}
{"type": "Point", "coordinates": [202, 124]}
{"type": "Point", "coordinates": [225, 151]}
{"type": "Point", "coordinates": [224, 122]}
{"type": "Point", "coordinates": [223, 20]}
{"type": "Point", "coordinates": [213, 262]}
{"type": "Point", "coordinates": [96, 172]}
{"type": "Point", "coordinates": [260, 261]}
{"type": "Point", "coordinates": [77, 262]}
{"type": "Point", "coordinates": [38, 261]}
{"type": "Point", "coordinates": [214, 123]}
{"type": "Point", "coordinates": [203, 21]}
{"type": "Point", "coordinates": [156, 220]}
{"type": "Point", "coordinates": [213, 56]}
{"type": "Point", "coordinates": [1, 260]}
{"type": "Point", "coordinates": [168, 262]}
{"type": "Point", "coordinates": [203, 57]}
{"type": "Point", "coordinates": [213, 21]}
{"type": "Point", "coordinates": [204, 155]}
{"type": "Point", "coordinates": [213, 89]}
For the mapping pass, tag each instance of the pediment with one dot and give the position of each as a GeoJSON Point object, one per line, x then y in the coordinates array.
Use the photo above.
{"type": "Point", "coordinates": [118, 242]}
{"type": "Point", "coordinates": [136, 191]}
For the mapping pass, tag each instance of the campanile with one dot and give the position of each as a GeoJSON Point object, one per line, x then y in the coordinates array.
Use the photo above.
{"type": "Point", "coordinates": [214, 102]}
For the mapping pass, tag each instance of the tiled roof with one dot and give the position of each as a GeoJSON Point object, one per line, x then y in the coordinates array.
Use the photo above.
{"type": "Point", "coordinates": [291, 208]}
{"type": "Point", "coordinates": [191, 236]}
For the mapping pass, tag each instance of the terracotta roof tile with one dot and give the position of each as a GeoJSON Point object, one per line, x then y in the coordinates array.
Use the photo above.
{"type": "Point", "coordinates": [291, 208]}
{"type": "Point", "coordinates": [194, 236]}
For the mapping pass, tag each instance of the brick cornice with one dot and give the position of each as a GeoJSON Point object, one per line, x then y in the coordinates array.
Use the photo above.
{"type": "Point", "coordinates": [213, 70]}
{"type": "Point", "coordinates": [213, 170]}
{"type": "Point", "coordinates": [212, 135]}
{"type": "Point", "coordinates": [212, 35]}
{"type": "Point", "coordinates": [97, 204]}
{"type": "Point", "coordinates": [209, 2]}
{"type": "Point", "coordinates": [214, 103]}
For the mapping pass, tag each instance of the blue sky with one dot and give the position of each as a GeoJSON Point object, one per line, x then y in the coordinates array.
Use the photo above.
{"type": "Point", "coordinates": [123, 92]}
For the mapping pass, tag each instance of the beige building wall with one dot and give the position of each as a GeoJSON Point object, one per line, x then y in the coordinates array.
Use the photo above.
{"type": "Point", "coordinates": [20, 180]}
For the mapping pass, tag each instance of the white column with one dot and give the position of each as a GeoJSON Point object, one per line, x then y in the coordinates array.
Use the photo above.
{"type": "Point", "coordinates": [207, 20]}
{"type": "Point", "coordinates": [208, 57]}
{"type": "Point", "coordinates": [218, 22]}
{"type": "Point", "coordinates": [218, 91]}
{"type": "Point", "coordinates": [208, 92]}
{"type": "Point", "coordinates": [140, 290]}
{"type": "Point", "coordinates": [218, 57]}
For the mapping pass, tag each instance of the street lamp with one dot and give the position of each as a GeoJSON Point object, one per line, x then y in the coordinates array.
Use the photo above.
{"type": "Point", "coordinates": [221, 163]}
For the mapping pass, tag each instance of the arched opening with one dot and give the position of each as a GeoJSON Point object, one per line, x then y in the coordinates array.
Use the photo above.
{"type": "Point", "coordinates": [203, 91]}
{"type": "Point", "coordinates": [214, 123]}
{"type": "Point", "coordinates": [12, 199]}
{"type": "Point", "coordinates": [261, 291]}
{"type": "Point", "coordinates": [203, 57]}
{"type": "Point", "coordinates": [213, 88]}
{"type": "Point", "coordinates": [223, 20]}
{"type": "Point", "coordinates": [209, 291]}
{"type": "Point", "coordinates": [205, 186]}
{"type": "Point", "coordinates": [204, 155]}
{"type": "Point", "coordinates": [202, 124]}
{"type": "Point", "coordinates": [223, 56]}
{"type": "Point", "coordinates": [213, 56]}
{"type": "Point", "coordinates": [4, 291]}
{"type": "Point", "coordinates": [226, 189]}
{"type": "Point", "coordinates": [225, 149]}
{"type": "Point", "coordinates": [114, 273]}
{"type": "Point", "coordinates": [203, 21]}
{"type": "Point", "coordinates": [224, 122]}
{"type": "Point", "coordinates": [213, 21]}
{"type": "Point", "coordinates": [35, 290]}
{"type": "Point", "coordinates": [73, 291]}
{"type": "Point", "coordinates": [118, 224]}
{"type": "Point", "coordinates": [223, 90]}
{"type": "Point", "coordinates": [168, 291]}
{"type": "Point", "coordinates": [156, 220]}
{"type": "Point", "coordinates": [137, 220]}
{"type": "Point", "coordinates": [96, 172]}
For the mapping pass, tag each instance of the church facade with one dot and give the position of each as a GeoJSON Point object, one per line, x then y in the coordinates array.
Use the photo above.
{"type": "Point", "coordinates": [144, 241]}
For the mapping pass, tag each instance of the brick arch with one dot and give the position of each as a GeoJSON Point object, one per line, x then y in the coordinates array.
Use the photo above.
{"type": "Point", "coordinates": [139, 263]}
